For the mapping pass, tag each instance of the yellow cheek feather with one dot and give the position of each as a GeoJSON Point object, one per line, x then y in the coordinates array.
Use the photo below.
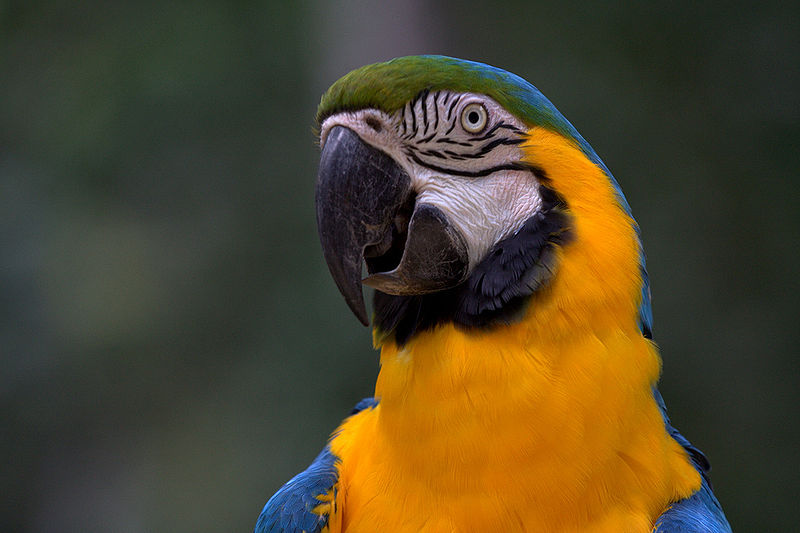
{"type": "Point", "coordinates": [548, 424]}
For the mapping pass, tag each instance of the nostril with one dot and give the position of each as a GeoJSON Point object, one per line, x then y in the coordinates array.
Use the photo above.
{"type": "Point", "coordinates": [373, 123]}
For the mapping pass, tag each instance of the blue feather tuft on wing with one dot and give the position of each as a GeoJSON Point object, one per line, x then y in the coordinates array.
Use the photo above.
{"type": "Point", "coordinates": [291, 509]}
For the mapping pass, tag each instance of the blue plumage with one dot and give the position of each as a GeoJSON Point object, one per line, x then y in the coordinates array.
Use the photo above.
{"type": "Point", "coordinates": [366, 403]}
{"type": "Point", "coordinates": [700, 512]}
{"type": "Point", "coordinates": [291, 509]}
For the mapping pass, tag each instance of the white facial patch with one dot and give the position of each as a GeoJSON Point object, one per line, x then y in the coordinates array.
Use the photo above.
{"type": "Point", "coordinates": [474, 176]}
{"type": "Point", "coordinates": [486, 210]}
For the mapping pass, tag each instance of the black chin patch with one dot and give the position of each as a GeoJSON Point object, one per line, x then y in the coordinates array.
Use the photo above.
{"type": "Point", "coordinates": [498, 289]}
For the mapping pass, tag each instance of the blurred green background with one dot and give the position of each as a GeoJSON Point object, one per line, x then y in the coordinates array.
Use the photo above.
{"type": "Point", "coordinates": [172, 347]}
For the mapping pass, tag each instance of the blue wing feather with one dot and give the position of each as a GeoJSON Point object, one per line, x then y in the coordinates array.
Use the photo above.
{"type": "Point", "coordinates": [700, 512]}
{"type": "Point", "coordinates": [291, 509]}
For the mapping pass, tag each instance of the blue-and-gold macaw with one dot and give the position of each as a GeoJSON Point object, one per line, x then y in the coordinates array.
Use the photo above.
{"type": "Point", "coordinates": [517, 389]}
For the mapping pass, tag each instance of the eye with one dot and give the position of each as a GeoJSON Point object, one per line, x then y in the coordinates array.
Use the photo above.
{"type": "Point", "coordinates": [474, 117]}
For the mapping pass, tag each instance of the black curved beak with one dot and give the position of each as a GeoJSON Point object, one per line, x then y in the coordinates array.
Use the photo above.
{"type": "Point", "coordinates": [366, 211]}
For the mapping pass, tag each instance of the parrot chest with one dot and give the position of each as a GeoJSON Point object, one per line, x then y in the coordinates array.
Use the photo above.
{"type": "Point", "coordinates": [515, 444]}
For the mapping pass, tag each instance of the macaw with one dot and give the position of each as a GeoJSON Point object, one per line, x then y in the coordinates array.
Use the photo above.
{"type": "Point", "coordinates": [517, 389]}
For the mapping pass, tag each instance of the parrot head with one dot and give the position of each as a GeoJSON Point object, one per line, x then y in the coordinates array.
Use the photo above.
{"type": "Point", "coordinates": [462, 189]}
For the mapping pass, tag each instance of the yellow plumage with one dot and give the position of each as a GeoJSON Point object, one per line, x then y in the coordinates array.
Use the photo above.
{"type": "Point", "coordinates": [547, 424]}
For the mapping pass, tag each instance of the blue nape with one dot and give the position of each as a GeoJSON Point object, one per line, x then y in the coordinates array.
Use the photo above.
{"type": "Point", "coordinates": [366, 403]}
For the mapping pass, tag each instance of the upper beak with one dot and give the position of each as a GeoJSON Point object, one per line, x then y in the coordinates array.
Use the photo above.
{"type": "Point", "coordinates": [364, 210]}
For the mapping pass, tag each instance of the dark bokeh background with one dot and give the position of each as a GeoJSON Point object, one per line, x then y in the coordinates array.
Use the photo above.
{"type": "Point", "coordinates": [172, 347]}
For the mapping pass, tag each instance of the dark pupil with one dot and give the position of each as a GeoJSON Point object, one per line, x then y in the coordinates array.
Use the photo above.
{"type": "Point", "coordinates": [473, 117]}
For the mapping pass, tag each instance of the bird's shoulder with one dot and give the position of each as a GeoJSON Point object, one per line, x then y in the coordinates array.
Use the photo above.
{"type": "Point", "coordinates": [303, 504]}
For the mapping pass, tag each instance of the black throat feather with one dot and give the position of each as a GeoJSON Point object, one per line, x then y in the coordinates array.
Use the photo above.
{"type": "Point", "coordinates": [496, 292]}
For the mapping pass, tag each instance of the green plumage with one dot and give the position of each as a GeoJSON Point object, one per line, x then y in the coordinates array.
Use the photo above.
{"type": "Point", "coordinates": [389, 86]}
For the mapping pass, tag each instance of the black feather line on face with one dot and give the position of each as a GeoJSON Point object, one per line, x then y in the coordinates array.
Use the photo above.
{"type": "Point", "coordinates": [447, 140]}
{"type": "Point", "coordinates": [403, 121]}
{"type": "Point", "coordinates": [489, 134]}
{"type": "Point", "coordinates": [499, 288]}
{"type": "Point", "coordinates": [452, 106]}
{"type": "Point", "coordinates": [410, 151]}
{"type": "Point", "coordinates": [424, 108]}
{"type": "Point", "coordinates": [413, 131]}
{"type": "Point", "coordinates": [435, 111]}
